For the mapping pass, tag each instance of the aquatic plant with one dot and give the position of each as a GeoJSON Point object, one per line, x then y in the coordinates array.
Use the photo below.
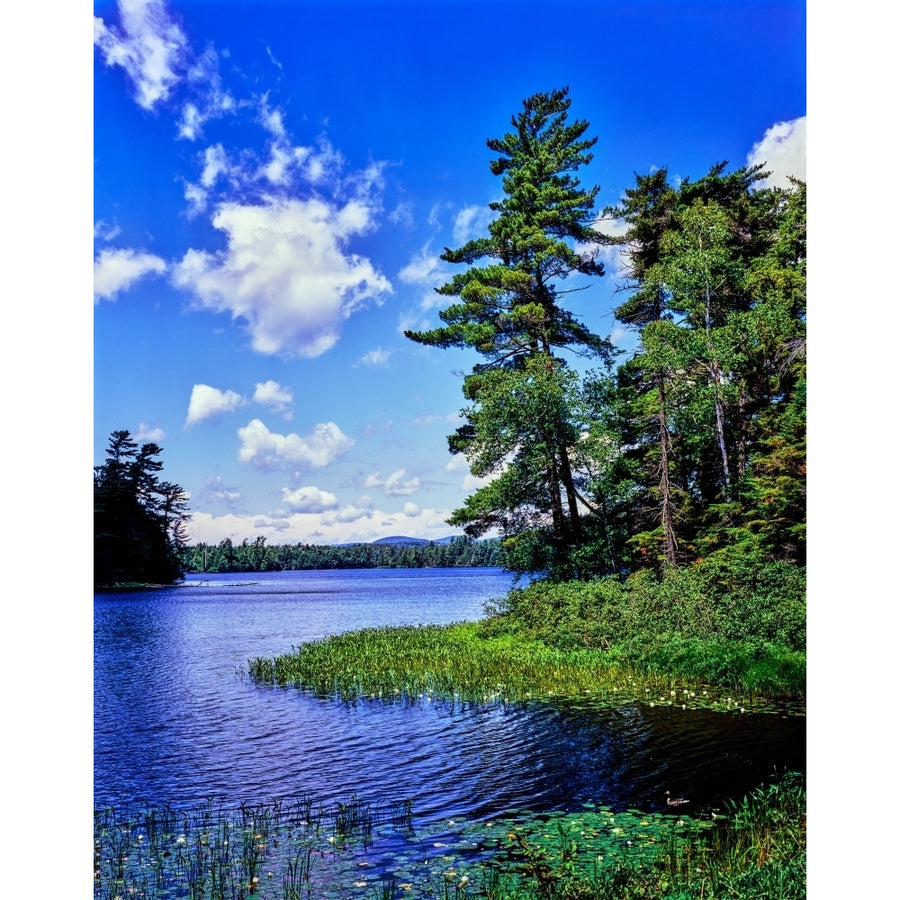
{"type": "Point", "coordinates": [290, 850]}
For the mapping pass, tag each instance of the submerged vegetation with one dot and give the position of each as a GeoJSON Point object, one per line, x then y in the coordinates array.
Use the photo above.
{"type": "Point", "coordinates": [298, 850]}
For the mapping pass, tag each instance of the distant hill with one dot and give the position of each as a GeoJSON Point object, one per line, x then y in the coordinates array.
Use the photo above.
{"type": "Point", "coordinates": [414, 542]}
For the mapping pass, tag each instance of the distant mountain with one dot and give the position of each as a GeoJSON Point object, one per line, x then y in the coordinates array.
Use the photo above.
{"type": "Point", "coordinates": [397, 539]}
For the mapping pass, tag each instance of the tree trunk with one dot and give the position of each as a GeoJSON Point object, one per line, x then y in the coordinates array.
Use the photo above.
{"type": "Point", "coordinates": [664, 484]}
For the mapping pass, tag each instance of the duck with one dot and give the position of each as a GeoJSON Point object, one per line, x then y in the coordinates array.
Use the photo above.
{"type": "Point", "coordinates": [675, 801]}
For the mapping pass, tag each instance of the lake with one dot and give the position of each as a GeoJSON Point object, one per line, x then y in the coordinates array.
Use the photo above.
{"type": "Point", "coordinates": [177, 721]}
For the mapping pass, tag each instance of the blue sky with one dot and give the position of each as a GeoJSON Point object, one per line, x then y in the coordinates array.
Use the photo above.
{"type": "Point", "coordinates": [274, 183]}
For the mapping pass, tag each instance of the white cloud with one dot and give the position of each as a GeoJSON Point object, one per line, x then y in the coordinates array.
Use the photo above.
{"type": "Point", "coordinates": [308, 500]}
{"type": "Point", "coordinates": [216, 491]}
{"type": "Point", "coordinates": [424, 269]}
{"type": "Point", "coordinates": [103, 231]}
{"type": "Point", "coordinates": [615, 257]}
{"type": "Point", "coordinates": [118, 270]}
{"type": "Point", "coordinates": [471, 222]}
{"type": "Point", "coordinates": [353, 523]}
{"type": "Point", "coordinates": [266, 450]}
{"type": "Point", "coordinates": [459, 465]}
{"type": "Point", "coordinates": [286, 272]}
{"type": "Point", "coordinates": [402, 215]}
{"type": "Point", "coordinates": [783, 152]}
{"type": "Point", "coordinates": [349, 514]}
{"type": "Point", "coordinates": [146, 433]}
{"type": "Point", "coordinates": [149, 46]}
{"type": "Point", "coordinates": [207, 402]}
{"type": "Point", "coordinates": [394, 485]}
{"type": "Point", "coordinates": [215, 163]}
{"type": "Point", "coordinates": [376, 357]}
{"type": "Point", "coordinates": [273, 395]}
{"type": "Point", "coordinates": [212, 100]}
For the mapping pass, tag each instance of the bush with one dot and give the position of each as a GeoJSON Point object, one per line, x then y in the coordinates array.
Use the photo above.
{"type": "Point", "coordinates": [738, 624]}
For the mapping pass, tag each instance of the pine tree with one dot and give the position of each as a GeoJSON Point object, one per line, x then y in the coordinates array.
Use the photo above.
{"type": "Point", "coordinates": [509, 310]}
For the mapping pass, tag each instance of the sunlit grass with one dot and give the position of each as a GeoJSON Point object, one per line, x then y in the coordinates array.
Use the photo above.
{"type": "Point", "coordinates": [465, 662]}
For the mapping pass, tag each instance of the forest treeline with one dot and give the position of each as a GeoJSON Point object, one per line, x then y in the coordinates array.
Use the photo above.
{"type": "Point", "coordinates": [258, 556]}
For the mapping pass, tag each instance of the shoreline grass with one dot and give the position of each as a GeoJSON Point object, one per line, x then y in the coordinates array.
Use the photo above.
{"type": "Point", "coordinates": [476, 662]}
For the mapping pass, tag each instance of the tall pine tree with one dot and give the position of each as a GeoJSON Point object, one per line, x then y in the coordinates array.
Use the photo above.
{"type": "Point", "coordinates": [509, 309]}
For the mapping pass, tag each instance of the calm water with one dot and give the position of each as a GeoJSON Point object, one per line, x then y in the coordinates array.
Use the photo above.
{"type": "Point", "coordinates": [176, 722]}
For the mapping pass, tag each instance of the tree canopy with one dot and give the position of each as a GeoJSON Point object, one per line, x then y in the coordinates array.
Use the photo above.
{"type": "Point", "coordinates": [139, 519]}
{"type": "Point", "coordinates": [694, 447]}
{"type": "Point", "coordinates": [518, 428]}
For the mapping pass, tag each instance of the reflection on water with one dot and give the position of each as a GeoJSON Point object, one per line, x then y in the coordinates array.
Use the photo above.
{"type": "Point", "coordinates": [176, 722]}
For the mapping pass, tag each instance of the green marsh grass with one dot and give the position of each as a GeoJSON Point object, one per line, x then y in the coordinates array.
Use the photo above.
{"type": "Point", "coordinates": [474, 662]}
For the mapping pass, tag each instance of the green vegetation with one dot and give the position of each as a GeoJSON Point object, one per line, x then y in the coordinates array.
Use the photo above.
{"type": "Point", "coordinates": [257, 556]}
{"type": "Point", "coordinates": [139, 520]}
{"type": "Point", "coordinates": [292, 849]}
{"type": "Point", "coordinates": [690, 634]}
{"type": "Point", "coordinates": [694, 447]}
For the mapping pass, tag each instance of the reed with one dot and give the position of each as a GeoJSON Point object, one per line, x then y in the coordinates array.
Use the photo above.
{"type": "Point", "coordinates": [291, 850]}
{"type": "Point", "coordinates": [215, 851]}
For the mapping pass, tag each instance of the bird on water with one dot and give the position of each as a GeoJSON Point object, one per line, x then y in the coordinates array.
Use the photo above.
{"type": "Point", "coordinates": [675, 801]}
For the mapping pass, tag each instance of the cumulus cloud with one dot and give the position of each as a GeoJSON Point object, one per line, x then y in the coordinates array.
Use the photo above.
{"type": "Point", "coordinates": [286, 272]}
{"type": "Point", "coordinates": [308, 500]}
{"type": "Point", "coordinates": [394, 485]}
{"type": "Point", "coordinates": [149, 45]}
{"type": "Point", "coordinates": [362, 509]}
{"type": "Point", "coordinates": [273, 395]}
{"type": "Point", "coordinates": [359, 522]}
{"type": "Point", "coordinates": [266, 450]}
{"type": "Point", "coordinates": [782, 151]}
{"type": "Point", "coordinates": [207, 402]}
{"type": "Point", "coordinates": [118, 270]}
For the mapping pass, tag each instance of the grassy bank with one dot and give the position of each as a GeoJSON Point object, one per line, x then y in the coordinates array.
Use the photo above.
{"type": "Point", "coordinates": [697, 637]}
{"type": "Point", "coordinates": [471, 662]}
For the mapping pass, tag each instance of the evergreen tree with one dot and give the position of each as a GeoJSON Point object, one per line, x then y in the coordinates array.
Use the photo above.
{"type": "Point", "coordinates": [715, 391]}
{"type": "Point", "coordinates": [139, 521]}
{"type": "Point", "coordinates": [509, 310]}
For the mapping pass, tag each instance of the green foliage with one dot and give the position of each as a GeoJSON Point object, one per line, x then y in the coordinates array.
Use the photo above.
{"type": "Point", "coordinates": [520, 426]}
{"type": "Point", "coordinates": [757, 850]}
{"type": "Point", "coordinates": [695, 447]}
{"type": "Point", "coordinates": [713, 402]}
{"type": "Point", "coordinates": [738, 624]}
{"type": "Point", "coordinates": [258, 556]}
{"type": "Point", "coordinates": [287, 849]}
{"type": "Point", "coordinates": [138, 519]}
